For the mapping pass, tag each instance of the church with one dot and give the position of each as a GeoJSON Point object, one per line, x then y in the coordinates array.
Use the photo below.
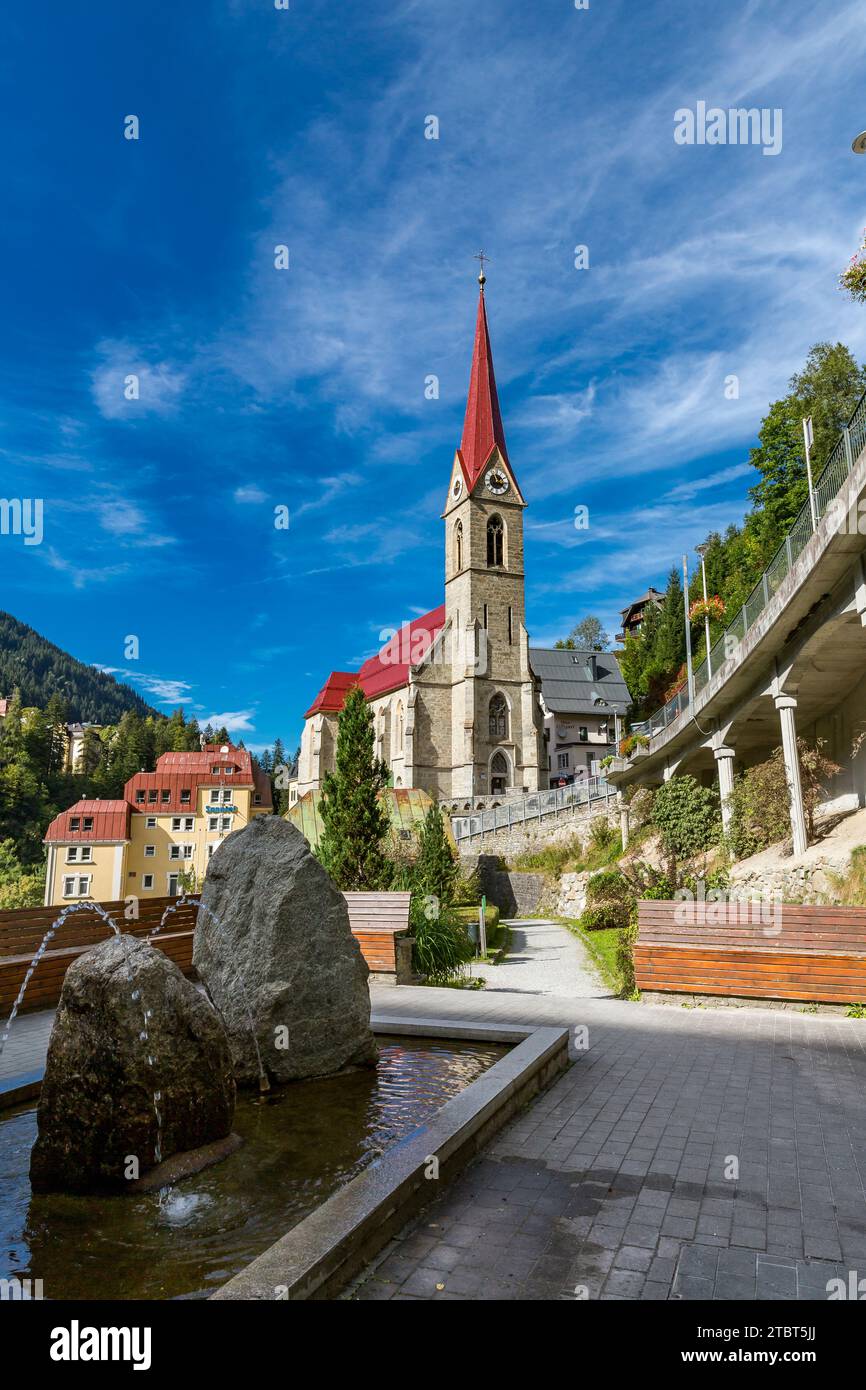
{"type": "Point", "coordinates": [455, 702]}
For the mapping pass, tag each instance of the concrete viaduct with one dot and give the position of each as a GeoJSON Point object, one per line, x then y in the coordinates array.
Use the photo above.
{"type": "Point", "coordinates": [792, 663]}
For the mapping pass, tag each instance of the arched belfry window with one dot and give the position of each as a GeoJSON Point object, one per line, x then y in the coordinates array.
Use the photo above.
{"type": "Point", "coordinates": [458, 546]}
{"type": "Point", "coordinates": [495, 541]}
{"type": "Point", "coordinates": [499, 716]}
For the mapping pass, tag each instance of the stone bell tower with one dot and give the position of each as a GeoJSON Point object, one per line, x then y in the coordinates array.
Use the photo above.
{"type": "Point", "coordinates": [496, 733]}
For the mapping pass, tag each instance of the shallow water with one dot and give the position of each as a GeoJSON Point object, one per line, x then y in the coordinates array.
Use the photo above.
{"type": "Point", "coordinates": [187, 1240]}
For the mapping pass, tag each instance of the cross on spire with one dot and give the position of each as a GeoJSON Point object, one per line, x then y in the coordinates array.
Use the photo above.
{"type": "Point", "coordinates": [482, 278]}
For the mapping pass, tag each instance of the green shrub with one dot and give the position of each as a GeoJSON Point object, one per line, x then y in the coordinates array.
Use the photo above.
{"type": "Point", "coordinates": [603, 916]}
{"type": "Point", "coordinates": [625, 957]}
{"type": "Point", "coordinates": [760, 802]}
{"type": "Point", "coordinates": [688, 816]}
{"type": "Point", "coordinates": [442, 947]}
{"type": "Point", "coordinates": [601, 833]}
{"type": "Point", "coordinates": [469, 915]}
{"type": "Point", "coordinates": [608, 886]}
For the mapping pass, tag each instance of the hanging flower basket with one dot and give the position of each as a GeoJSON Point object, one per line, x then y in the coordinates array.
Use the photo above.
{"type": "Point", "coordinates": [712, 608]}
{"type": "Point", "coordinates": [853, 277]}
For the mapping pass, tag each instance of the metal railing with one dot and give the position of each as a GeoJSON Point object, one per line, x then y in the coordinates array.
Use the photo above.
{"type": "Point", "coordinates": [550, 803]}
{"type": "Point", "coordinates": [825, 488]}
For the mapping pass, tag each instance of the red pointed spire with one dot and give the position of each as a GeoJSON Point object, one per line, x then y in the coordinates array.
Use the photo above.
{"type": "Point", "coordinates": [482, 428]}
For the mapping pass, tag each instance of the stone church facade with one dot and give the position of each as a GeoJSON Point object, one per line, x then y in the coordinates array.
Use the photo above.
{"type": "Point", "coordinates": [455, 701]}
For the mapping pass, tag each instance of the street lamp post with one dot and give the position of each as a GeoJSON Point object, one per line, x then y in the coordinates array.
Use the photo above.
{"type": "Point", "coordinates": [702, 550]}
{"type": "Point", "coordinates": [617, 711]}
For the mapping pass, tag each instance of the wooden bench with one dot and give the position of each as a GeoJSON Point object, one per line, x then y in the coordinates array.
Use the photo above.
{"type": "Point", "coordinates": [380, 923]}
{"type": "Point", "coordinates": [796, 953]}
{"type": "Point", "coordinates": [22, 931]}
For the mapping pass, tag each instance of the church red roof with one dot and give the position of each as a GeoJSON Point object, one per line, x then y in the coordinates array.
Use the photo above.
{"type": "Point", "coordinates": [386, 671]}
{"type": "Point", "coordinates": [482, 427]}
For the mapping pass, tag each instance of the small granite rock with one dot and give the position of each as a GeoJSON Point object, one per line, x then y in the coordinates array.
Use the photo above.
{"type": "Point", "coordinates": [129, 1027]}
{"type": "Point", "coordinates": [275, 950]}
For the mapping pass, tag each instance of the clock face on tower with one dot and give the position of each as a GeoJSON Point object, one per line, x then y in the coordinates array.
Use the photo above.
{"type": "Point", "coordinates": [456, 487]}
{"type": "Point", "coordinates": [497, 481]}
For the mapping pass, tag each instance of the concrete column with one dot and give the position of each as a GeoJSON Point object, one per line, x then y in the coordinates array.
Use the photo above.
{"type": "Point", "coordinates": [786, 704]}
{"type": "Point", "coordinates": [724, 757]}
{"type": "Point", "coordinates": [623, 823]}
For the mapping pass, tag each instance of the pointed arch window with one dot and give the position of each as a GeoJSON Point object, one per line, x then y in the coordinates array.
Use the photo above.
{"type": "Point", "coordinates": [498, 772]}
{"type": "Point", "coordinates": [458, 546]}
{"type": "Point", "coordinates": [495, 541]}
{"type": "Point", "coordinates": [498, 712]}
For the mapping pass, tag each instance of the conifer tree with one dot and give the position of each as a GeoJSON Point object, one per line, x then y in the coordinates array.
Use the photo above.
{"type": "Point", "coordinates": [355, 821]}
{"type": "Point", "coordinates": [435, 867]}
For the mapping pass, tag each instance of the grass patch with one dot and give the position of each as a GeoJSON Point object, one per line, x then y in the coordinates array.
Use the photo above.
{"type": "Point", "coordinates": [571, 857]}
{"type": "Point", "coordinates": [603, 946]}
{"type": "Point", "coordinates": [849, 889]}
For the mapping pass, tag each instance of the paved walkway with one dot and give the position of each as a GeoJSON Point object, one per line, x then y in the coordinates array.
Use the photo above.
{"type": "Point", "coordinates": [544, 958]}
{"type": "Point", "coordinates": [692, 1153]}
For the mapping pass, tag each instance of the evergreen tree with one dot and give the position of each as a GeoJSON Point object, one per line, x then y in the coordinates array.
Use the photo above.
{"type": "Point", "coordinates": [355, 823]}
{"type": "Point", "coordinates": [436, 871]}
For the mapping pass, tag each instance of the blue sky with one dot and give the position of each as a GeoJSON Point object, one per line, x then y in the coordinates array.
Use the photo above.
{"type": "Point", "coordinates": [305, 387]}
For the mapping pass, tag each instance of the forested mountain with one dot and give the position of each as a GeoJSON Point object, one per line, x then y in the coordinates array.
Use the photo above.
{"type": "Point", "coordinates": [37, 669]}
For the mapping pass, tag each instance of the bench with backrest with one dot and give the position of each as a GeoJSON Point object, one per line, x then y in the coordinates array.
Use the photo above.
{"type": "Point", "coordinates": [379, 921]}
{"type": "Point", "coordinates": [380, 924]}
{"type": "Point", "coordinates": [786, 951]}
{"type": "Point", "coordinates": [23, 929]}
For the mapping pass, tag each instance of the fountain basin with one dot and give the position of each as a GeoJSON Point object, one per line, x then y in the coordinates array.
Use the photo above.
{"type": "Point", "coordinates": [324, 1252]}
{"type": "Point", "coordinates": [188, 1240]}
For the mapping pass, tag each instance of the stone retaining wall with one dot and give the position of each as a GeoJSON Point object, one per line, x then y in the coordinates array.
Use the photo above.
{"type": "Point", "coordinates": [529, 836]}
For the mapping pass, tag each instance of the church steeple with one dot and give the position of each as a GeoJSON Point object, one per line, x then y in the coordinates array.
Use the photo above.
{"type": "Point", "coordinates": [482, 427]}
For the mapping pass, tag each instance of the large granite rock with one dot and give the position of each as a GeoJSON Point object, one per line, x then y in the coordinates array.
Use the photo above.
{"type": "Point", "coordinates": [274, 948]}
{"type": "Point", "coordinates": [129, 1028]}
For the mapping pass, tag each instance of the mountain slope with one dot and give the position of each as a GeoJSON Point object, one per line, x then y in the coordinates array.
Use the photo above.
{"type": "Point", "coordinates": [33, 665]}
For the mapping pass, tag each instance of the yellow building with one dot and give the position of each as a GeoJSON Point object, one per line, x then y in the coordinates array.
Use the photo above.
{"type": "Point", "coordinates": [163, 832]}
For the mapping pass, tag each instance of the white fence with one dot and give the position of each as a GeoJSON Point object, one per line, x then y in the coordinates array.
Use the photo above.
{"type": "Point", "coordinates": [559, 801]}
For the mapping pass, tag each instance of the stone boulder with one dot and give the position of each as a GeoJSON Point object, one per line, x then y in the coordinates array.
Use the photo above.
{"type": "Point", "coordinates": [138, 1067]}
{"type": "Point", "coordinates": [274, 948]}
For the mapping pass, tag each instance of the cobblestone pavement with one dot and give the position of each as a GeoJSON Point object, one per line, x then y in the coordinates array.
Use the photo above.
{"type": "Point", "coordinates": [620, 1181]}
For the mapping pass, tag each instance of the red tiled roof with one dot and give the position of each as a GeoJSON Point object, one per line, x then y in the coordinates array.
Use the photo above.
{"type": "Point", "coordinates": [482, 427]}
{"type": "Point", "coordinates": [386, 671]}
{"type": "Point", "coordinates": [389, 669]}
{"type": "Point", "coordinates": [110, 822]}
{"type": "Point", "coordinates": [332, 695]}
{"type": "Point", "coordinates": [177, 772]}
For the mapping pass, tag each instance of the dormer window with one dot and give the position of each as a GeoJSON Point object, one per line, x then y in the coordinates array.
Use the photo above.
{"type": "Point", "coordinates": [75, 823]}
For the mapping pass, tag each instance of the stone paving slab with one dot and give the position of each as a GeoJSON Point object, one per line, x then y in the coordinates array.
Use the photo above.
{"type": "Point", "coordinates": [687, 1154]}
